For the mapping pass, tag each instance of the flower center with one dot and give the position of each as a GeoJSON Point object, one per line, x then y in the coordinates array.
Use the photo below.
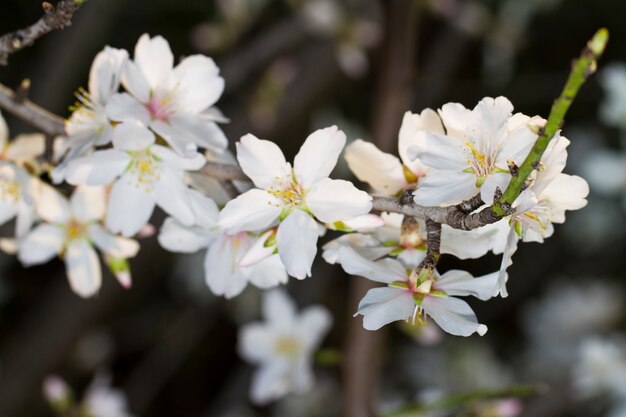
{"type": "Point", "coordinates": [482, 162]}
{"type": "Point", "coordinates": [287, 346]}
{"type": "Point", "coordinates": [10, 191]}
{"type": "Point", "coordinates": [160, 108]}
{"type": "Point", "coordinates": [537, 218]}
{"type": "Point", "coordinates": [145, 167]}
{"type": "Point", "coordinates": [289, 191]}
{"type": "Point", "coordinates": [75, 230]}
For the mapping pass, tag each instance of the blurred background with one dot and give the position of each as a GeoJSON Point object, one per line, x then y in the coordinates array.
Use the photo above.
{"type": "Point", "coordinates": [292, 66]}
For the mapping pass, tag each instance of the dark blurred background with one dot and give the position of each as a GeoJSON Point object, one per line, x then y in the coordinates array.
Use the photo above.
{"type": "Point", "coordinates": [291, 68]}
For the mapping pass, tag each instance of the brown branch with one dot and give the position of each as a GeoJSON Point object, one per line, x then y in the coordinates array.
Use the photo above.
{"type": "Point", "coordinates": [223, 172]}
{"type": "Point", "coordinates": [433, 237]}
{"type": "Point", "coordinates": [55, 17]}
{"type": "Point", "coordinates": [28, 111]}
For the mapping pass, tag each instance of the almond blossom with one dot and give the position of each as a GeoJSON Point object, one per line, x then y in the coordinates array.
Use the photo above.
{"type": "Point", "coordinates": [550, 194]}
{"type": "Point", "coordinates": [143, 175]}
{"type": "Point", "coordinates": [473, 155]}
{"type": "Point", "coordinates": [385, 173]}
{"type": "Point", "coordinates": [175, 102]}
{"type": "Point", "coordinates": [293, 196]}
{"type": "Point", "coordinates": [89, 125]}
{"type": "Point", "coordinates": [282, 346]}
{"type": "Point", "coordinates": [223, 271]}
{"type": "Point", "coordinates": [70, 229]}
{"type": "Point", "coordinates": [409, 297]}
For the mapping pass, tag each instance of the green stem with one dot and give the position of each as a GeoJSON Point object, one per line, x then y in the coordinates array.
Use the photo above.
{"type": "Point", "coordinates": [456, 400]}
{"type": "Point", "coordinates": [582, 68]}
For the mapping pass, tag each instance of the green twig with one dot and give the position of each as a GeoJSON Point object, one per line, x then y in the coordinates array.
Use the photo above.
{"type": "Point", "coordinates": [582, 68]}
{"type": "Point", "coordinates": [456, 400]}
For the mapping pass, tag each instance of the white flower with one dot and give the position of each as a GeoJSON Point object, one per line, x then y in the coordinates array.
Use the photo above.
{"type": "Point", "coordinates": [223, 272]}
{"type": "Point", "coordinates": [101, 400]}
{"type": "Point", "coordinates": [70, 229]}
{"type": "Point", "coordinates": [385, 173]}
{"type": "Point", "coordinates": [293, 195]}
{"type": "Point", "coordinates": [21, 149]}
{"type": "Point", "coordinates": [405, 297]}
{"type": "Point", "coordinates": [17, 189]}
{"type": "Point", "coordinates": [144, 175]}
{"type": "Point", "coordinates": [472, 157]}
{"type": "Point", "coordinates": [89, 125]}
{"type": "Point", "coordinates": [175, 102]}
{"type": "Point", "coordinates": [282, 346]}
{"type": "Point", "coordinates": [543, 203]}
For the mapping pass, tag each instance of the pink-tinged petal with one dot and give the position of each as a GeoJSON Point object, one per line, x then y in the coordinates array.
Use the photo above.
{"type": "Point", "coordinates": [267, 273]}
{"type": "Point", "coordinates": [114, 246]}
{"type": "Point", "coordinates": [412, 124]}
{"type": "Point", "coordinates": [462, 283]}
{"type": "Point", "coordinates": [88, 203]}
{"type": "Point", "coordinates": [318, 155]}
{"type": "Point", "coordinates": [132, 135]}
{"type": "Point", "coordinates": [382, 171]}
{"type": "Point", "coordinates": [445, 188]}
{"type": "Point", "coordinates": [250, 211]}
{"type": "Point", "coordinates": [297, 243]}
{"type": "Point", "coordinates": [198, 84]}
{"type": "Point", "coordinates": [105, 73]}
{"type": "Point", "coordinates": [42, 244]}
{"type": "Point", "coordinates": [99, 168]}
{"type": "Point", "coordinates": [83, 268]}
{"type": "Point", "coordinates": [123, 106]}
{"type": "Point", "coordinates": [455, 119]}
{"type": "Point", "coordinates": [171, 195]}
{"type": "Point", "coordinates": [155, 59]}
{"type": "Point", "coordinates": [453, 315]}
{"type": "Point", "coordinates": [130, 207]}
{"type": "Point", "coordinates": [261, 160]}
{"type": "Point", "coordinates": [175, 237]}
{"type": "Point", "coordinates": [337, 200]}
{"type": "Point", "coordinates": [135, 82]}
{"type": "Point", "coordinates": [202, 133]}
{"type": "Point", "coordinates": [221, 272]}
{"type": "Point", "coordinates": [386, 271]}
{"type": "Point", "coordinates": [51, 205]}
{"type": "Point", "coordinates": [382, 306]}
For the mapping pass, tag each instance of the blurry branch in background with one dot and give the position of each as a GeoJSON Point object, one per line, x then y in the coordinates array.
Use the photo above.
{"type": "Point", "coordinates": [31, 113]}
{"type": "Point", "coordinates": [55, 17]}
{"type": "Point", "coordinates": [467, 398]}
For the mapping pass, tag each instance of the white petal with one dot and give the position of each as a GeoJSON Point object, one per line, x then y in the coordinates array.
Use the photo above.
{"type": "Point", "coordinates": [135, 82]}
{"type": "Point", "coordinates": [132, 135]}
{"type": "Point", "coordinates": [51, 205]}
{"type": "Point", "coordinates": [267, 273]}
{"type": "Point", "coordinates": [382, 306]}
{"type": "Point", "coordinates": [105, 73]}
{"type": "Point", "coordinates": [318, 155]}
{"type": "Point", "coordinates": [313, 324]}
{"type": "Point", "coordinates": [257, 342]}
{"type": "Point", "coordinates": [337, 200]}
{"type": "Point", "coordinates": [567, 192]}
{"type": "Point", "coordinates": [42, 244]}
{"type": "Point", "coordinates": [445, 188]}
{"type": "Point", "coordinates": [297, 243]}
{"type": "Point", "coordinates": [114, 246]}
{"type": "Point", "coordinates": [488, 122]}
{"type": "Point", "coordinates": [198, 84]}
{"type": "Point", "coordinates": [129, 207]}
{"type": "Point", "coordinates": [412, 123]}
{"type": "Point", "coordinates": [253, 210]}
{"type": "Point", "coordinates": [4, 132]}
{"type": "Point", "coordinates": [261, 160]}
{"type": "Point", "coordinates": [440, 152]}
{"type": "Point", "coordinates": [279, 309]}
{"type": "Point", "coordinates": [462, 283]}
{"type": "Point", "coordinates": [453, 315]}
{"type": "Point", "coordinates": [83, 268]}
{"type": "Point", "coordinates": [221, 270]}
{"type": "Point", "coordinates": [8, 209]}
{"type": "Point", "coordinates": [26, 147]}
{"type": "Point", "coordinates": [204, 208]}
{"type": "Point", "coordinates": [175, 237]}
{"type": "Point", "coordinates": [507, 260]}
{"type": "Point", "coordinates": [99, 168]}
{"type": "Point", "coordinates": [155, 59]}
{"type": "Point", "coordinates": [492, 183]}
{"type": "Point", "coordinates": [455, 118]}
{"type": "Point", "coordinates": [382, 171]}
{"type": "Point", "coordinates": [177, 139]}
{"type": "Point", "coordinates": [270, 382]}
{"type": "Point", "coordinates": [171, 194]}
{"type": "Point", "coordinates": [88, 203]}
{"type": "Point", "coordinates": [203, 133]}
{"type": "Point", "coordinates": [191, 162]}
{"type": "Point", "coordinates": [123, 106]}
{"type": "Point", "coordinates": [469, 244]}
{"type": "Point", "coordinates": [386, 272]}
